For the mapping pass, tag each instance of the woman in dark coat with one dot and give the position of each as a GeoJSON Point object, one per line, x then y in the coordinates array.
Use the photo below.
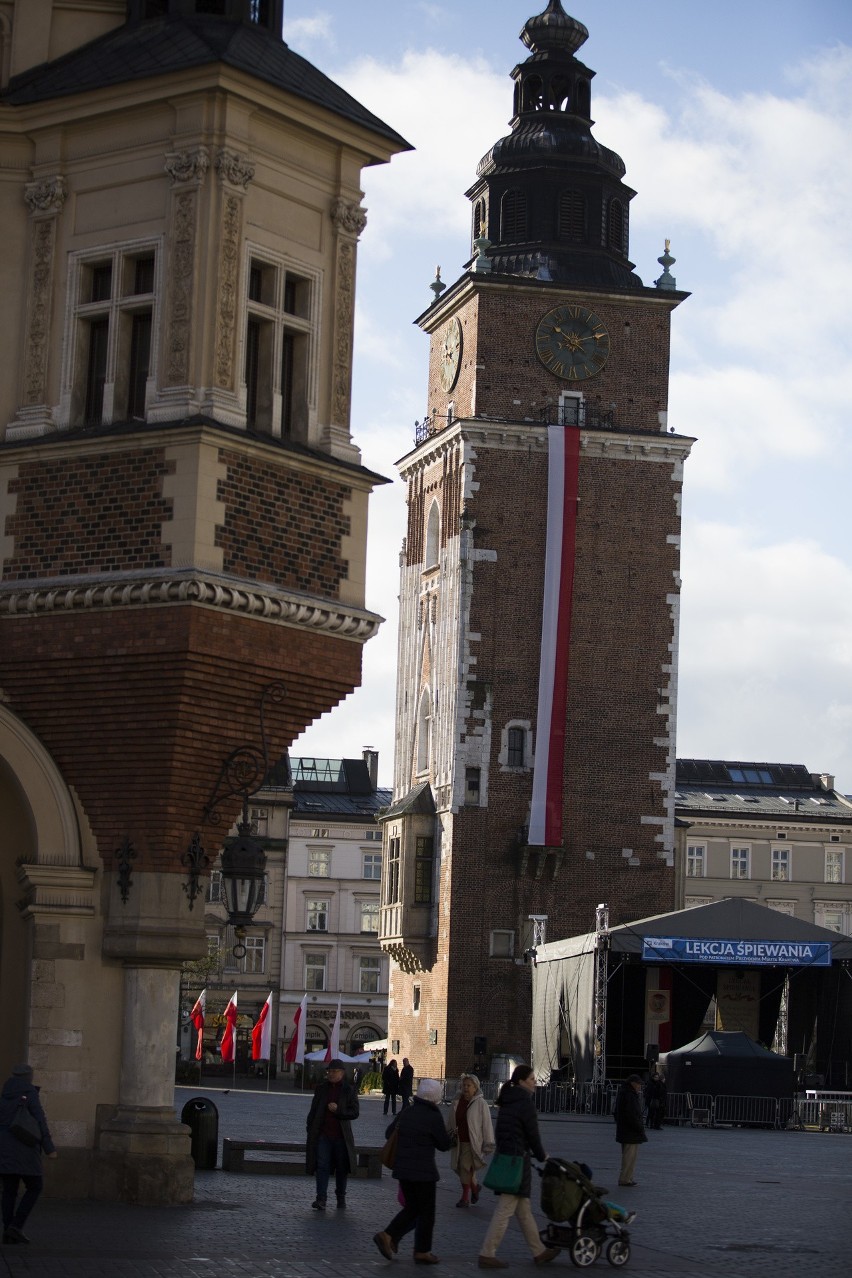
{"type": "Point", "coordinates": [517, 1133]}
{"type": "Point", "coordinates": [629, 1126]}
{"type": "Point", "coordinates": [18, 1161]}
{"type": "Point", "coordinates": [421, 1131]}
{"type": "Point", "coordinates": [330, 1146]}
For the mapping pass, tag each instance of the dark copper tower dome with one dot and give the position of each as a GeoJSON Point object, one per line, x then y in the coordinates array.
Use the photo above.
{"type": "Point", "coordinates": [548, 197]}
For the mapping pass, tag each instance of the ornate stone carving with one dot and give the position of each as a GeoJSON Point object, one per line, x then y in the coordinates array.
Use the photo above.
{"type": "Point", "coordinates": [38, 318]}
{"type": "Point", "coordinates": [181, 269]}
{"type": "Point", "coordinates": [227, 312]}
{"type": "Point", "coordinates": [348, 217]}
{"type": "Point", "coordinates": [234, 168]}
{"type": "Point", "coordinates": [278, 607]}
{"type": "Point", "coordinates": [47, 195]}
{"type": "Point", "coordinates": [343, 333]}
{"type": "Point", "coordinates": [188, 166]}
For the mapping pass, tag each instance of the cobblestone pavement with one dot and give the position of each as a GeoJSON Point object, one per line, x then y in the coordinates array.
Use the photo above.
{"type": "Point", "coordinates": [735, 1203]}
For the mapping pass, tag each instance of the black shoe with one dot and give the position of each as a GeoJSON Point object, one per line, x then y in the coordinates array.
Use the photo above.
{"type": "Point", "coordinates": [12, 1234]}
{"type": "Point", "coordinates": [341, 1202]}
{"type": "Point", "coordinates": [318, 1204]}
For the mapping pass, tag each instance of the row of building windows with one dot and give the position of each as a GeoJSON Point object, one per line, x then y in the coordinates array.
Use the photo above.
{"type": "Point", "coordinates": [317, 914]}
{"type": "Point", "coordinates": [369, 966]}
{"type": "Point", "coordinates": [115, 311]}
{"type": "Point", "coordinates": [780, 863]}
{"type": "Point", "coordinates": [316, 972]}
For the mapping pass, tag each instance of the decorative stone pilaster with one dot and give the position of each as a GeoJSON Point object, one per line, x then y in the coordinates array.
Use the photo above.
{"type": "Point", "coordinates": [176, 396]}
{"type": "Point", "coordinates": [45, 200]}
{"type": "Point", "coordinates": [349, 220]}
{"type": "Point", "coordinates": [234, 171]}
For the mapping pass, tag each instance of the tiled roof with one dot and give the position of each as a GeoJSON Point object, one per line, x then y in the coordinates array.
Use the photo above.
{"type": "Point", "coordinates": [169, 46]}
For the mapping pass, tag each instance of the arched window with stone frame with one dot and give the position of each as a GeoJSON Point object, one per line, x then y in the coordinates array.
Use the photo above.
{"type": "Point", "coordinates": [433, 536]}
{"type": "Point", "coordinates": [424, 732]}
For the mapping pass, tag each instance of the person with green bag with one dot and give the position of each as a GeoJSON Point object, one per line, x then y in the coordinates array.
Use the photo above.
{"type": "Point", "coordinates": [516, 1137]}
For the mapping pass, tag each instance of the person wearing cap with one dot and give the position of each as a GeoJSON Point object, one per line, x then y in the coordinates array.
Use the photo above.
{"type": "Point", "coordinates": [629, 1126]}
{"type": "Point", "coordinates": [20, 1161]}
{"type": "Point", "coordinates": [420, 1131]}
{"type": "Point", "coordinates": [330, 1146]}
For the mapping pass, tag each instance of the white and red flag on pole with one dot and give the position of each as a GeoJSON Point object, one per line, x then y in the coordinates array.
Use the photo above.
{"type": "Point", "coordinates": [563, 444]}
{"type": "Point", "coordinates": [229, 1038]}
{"type": "Point", "coordinates": [260, 1035]}
{"type": "Point", "coordinates": [197, 1018]}
{"type": "Point", "coordinates": [333, 1048]}
{"type": "Point", "coordinates": [295, 1054]}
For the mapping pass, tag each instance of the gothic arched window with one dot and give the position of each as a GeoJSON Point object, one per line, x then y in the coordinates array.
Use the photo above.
{"type": "Point", "coordinates": [424, 731]}
{"type": "Point", "coordinates": [533, 94]}
{"type": "Point", "coordinates": [433, 536]}
{"type": "Point", "coordinates": [513, 216]}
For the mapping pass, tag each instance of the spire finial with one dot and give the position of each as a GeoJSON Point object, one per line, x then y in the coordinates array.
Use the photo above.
{"type": "Point", "coordinates": [437, 286]}
{"type": "Point", "coordinates": [666, 280]}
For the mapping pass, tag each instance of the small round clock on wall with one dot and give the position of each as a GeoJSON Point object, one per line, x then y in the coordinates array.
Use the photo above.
{"type": "Point", "coordinates": [572, 342]}
{"type": "Point", "coordinates": [451, 349]}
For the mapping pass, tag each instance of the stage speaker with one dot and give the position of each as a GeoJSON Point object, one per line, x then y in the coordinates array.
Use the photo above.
{"type": "Point", "coordinates": [480, 1045]}
{"type": "Point", "coordinates": [652, 1053]}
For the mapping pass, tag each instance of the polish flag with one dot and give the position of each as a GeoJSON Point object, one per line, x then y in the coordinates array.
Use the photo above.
{"type": "Point", "coordinates": [197, 1018]}
{"type": "Point", "coordinates": [295, 1054]}
{"type": "Point", "coordinates": [260, 1035]}
{"type": "Point", "coordinates": [229, 1038]}
{"type": "Point", "coordinates": [546, 819]}
{"type": "Point", "coordinates": [333, 1048]}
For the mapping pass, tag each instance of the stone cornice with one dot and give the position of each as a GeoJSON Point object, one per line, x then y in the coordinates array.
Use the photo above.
{"type": "Point", "coordinates": [525, 436]}
{"type": "Point", "coordinates": [152, 590]}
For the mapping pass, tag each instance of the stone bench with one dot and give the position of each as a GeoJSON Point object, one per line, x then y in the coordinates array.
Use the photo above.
{"type": "Point", "coordinates": [368, 1158]}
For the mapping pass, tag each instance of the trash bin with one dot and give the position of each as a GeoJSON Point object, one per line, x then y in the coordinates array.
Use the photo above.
{"type": "Point", "coordinates": [202, 1118]}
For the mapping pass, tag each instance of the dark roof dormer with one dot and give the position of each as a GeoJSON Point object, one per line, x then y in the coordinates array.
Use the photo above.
{"type": "Point", "coordinates": [268, 14]}
{"type": "Point", "coordinates": [549, 198]}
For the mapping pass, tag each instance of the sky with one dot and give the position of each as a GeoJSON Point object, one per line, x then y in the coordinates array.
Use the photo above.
{"type": "Point", "coordinates": [735, 123]}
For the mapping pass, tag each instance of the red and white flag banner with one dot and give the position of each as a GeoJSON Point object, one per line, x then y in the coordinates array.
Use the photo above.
{"type": "Point", "coordinates": [295, 1054]}
{"type": "Point", "coordinates": [260, 1035]}
{"type": "Point", "coordinates": [563, 445]}
{"type": "Point", "coordinates": [229, 1038]}
{"type": "Point", "coordinates": [197, 1018]}
{"type": "Point", "coordinates": [333, 1049]}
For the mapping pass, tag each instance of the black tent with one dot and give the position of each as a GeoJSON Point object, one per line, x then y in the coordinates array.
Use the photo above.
{"type": "Point", "coordinates": [728, 1063]}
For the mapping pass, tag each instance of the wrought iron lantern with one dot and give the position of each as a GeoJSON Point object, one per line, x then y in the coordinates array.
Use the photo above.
{"type": "Point", "coordinates": [243, 872]}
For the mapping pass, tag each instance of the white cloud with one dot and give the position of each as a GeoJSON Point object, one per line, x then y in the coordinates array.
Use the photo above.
{"type": "Point", "coordinates": [303, 34]}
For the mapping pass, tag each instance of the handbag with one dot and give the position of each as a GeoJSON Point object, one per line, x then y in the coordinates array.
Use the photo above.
{"type": "Point", "coordinates": [24, 1127]}
{"type": "Point", "coordinates": [505, 1174]}
{"type": "Point", "coordinates": [388, 1154]}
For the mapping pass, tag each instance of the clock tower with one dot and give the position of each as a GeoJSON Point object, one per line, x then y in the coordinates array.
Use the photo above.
{"type": "Point", "coordinates": [537, 679]}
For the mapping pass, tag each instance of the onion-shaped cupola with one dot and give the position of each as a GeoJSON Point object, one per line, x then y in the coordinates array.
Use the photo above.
{"type": "Point", "coordinates": [549, 200]}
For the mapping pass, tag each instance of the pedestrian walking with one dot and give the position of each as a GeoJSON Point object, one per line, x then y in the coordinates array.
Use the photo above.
{"type": "Point", "coordinates": [517, 1134]}
{"type": "Point", "coordinates": [406, 1081]}
{"type": "Point", "coordinates": [420, 1131]}
{"type": "Point", "coordinates": [390, 1085]}
{"type": "Point", "coordinates": [655, 1099]}
{"type": "Point", "coordinates": [20, 1159]}
{"type": "Point", "coordinates": [330, 1146]}
{"type": "Point", "coordinates": [629, 1127]}
{"type": "Point", "coordinates": [469, 1122]}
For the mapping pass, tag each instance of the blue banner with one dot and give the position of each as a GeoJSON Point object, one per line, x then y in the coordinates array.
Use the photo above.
{"type": "Point", "coordinates": [685, 949]}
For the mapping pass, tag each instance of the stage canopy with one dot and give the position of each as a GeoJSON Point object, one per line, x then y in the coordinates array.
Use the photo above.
{"type": "Point", "coordinates": [696, 943]}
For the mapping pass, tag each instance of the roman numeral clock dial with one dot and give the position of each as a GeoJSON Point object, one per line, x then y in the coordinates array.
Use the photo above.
{"type": "Point", "coordinates": [572, 342]}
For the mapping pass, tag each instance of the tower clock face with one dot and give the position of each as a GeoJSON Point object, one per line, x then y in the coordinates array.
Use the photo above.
{"type": "Point", "coordinates": [451, 349]}
{"type": "Point", "coordinates": [572, 342]}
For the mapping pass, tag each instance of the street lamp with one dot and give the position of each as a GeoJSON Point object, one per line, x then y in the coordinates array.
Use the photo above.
{"type": "Point", "coordinates": [243, 872]}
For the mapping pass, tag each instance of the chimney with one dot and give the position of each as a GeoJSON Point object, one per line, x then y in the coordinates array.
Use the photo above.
{"type": "Point", "coordinates": [826, 781]}
{"type": "Point", "coordinates": [371, 758]}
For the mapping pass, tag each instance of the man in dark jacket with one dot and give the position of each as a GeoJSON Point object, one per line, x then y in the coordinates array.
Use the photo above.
{"type": "Point", "coordinates": [330, 1146]}
{"type": "Point", "coordinates": [629, 1126]}
{"type": "Point", "coordinates": [421, 1131]}
{"type": "Point", "coordinates": [390, 1085]}
{"type": "Point", "coordinates": [19, 1160]}
{"type": "Point", "coordinates": [406, 1081]}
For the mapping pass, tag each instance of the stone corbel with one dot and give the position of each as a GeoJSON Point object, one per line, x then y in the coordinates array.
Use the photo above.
{"type": "Point", "coordinates": [234, 169]}
{"type": "Point", "coordinates": [348, 218]}
{"type": "Point", "coordinates": [47, 196]}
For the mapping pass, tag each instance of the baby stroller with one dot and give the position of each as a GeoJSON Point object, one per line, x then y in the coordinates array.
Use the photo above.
{"type": "Point", "coordinates": [581, 1220]}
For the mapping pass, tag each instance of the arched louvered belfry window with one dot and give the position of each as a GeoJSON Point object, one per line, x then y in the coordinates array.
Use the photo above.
{"type": "Point", "coordinates": [560, 93]}
{"type": "Point", "coordinates": [533, 94]}
{"type": "Point", "coordinates": [615, 226]}
{"type": "Point", "coordinates": [572, 216]}
{"type": "Point", "coordinates": [513, 216]}
{"type": "Point", "coordinates": [479, 219]}
{"type": "Point", "coordinates": [583, 98]}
